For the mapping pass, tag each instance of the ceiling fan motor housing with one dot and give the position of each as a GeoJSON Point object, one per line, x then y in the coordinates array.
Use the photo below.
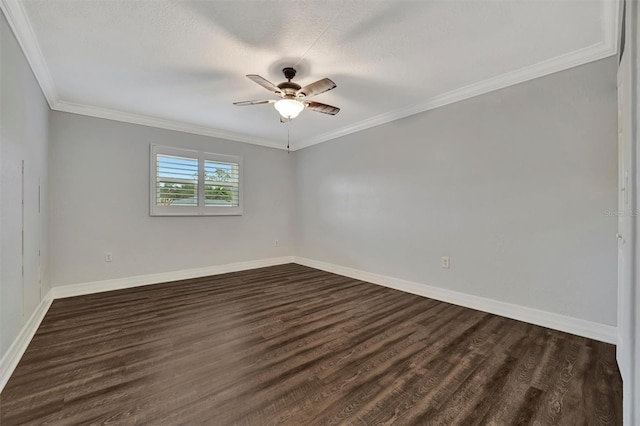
{"type": "Point", "coordinates": [289, 88]}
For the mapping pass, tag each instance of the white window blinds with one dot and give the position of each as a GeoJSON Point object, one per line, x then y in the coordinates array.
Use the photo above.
{"type": "Point", "coordinates": [176, 181]}
{"type": "Point", "coordinates": [221, 184]}
{"type": "Point", "coordinates": [186, 183]}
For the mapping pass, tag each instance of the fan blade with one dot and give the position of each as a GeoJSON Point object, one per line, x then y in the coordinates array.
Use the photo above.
{"type": "Point", "coordinates": [264, 83]}
{"type": "Point", "coordinates": [316, 88]}
{"type": "Point", "coordinates": [243, 103]}
{"type": "Point", "coordinates": [323, 108]}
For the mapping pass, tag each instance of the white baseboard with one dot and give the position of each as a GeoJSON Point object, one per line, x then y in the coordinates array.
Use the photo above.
{"type": "Point", "coordinates": [564, 323]}
{"type": "Point", "coordinates": [580, 327]}
{"type": "Point", "coordinates": [72, 290]}
{"type": "Point", "coordinates": [11, 358]}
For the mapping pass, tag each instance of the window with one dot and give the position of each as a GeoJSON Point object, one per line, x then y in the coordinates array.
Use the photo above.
{"type": "Point", "coordinates": [194, 183]}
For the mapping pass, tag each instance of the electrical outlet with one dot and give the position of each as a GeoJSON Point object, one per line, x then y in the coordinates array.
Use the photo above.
{"type": "Point", "coordinates": [108, 257]}
{"type": "Point", "coordinates": [277, 242]}
{"type": "Point", "coordinates": [445, 262]}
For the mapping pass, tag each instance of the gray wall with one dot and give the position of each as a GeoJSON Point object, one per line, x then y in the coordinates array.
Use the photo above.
{"type": "Point", "coordinates": [513, 185]}
{"type": "Point", "coordinates": [23, 136]}
{"type": "Point", "coordinates": [100, 202]}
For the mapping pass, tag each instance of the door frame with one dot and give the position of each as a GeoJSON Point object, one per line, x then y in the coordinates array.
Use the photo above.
{"type": "Point", "coordinates": [628, 344]}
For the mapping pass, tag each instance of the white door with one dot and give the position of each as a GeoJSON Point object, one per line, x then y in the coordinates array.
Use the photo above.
{"type": "Point", "coordinates": [626, 215]}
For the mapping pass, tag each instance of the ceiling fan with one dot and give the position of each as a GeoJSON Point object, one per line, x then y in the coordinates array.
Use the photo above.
{"type": "Point", "coordinates": [294, 97]}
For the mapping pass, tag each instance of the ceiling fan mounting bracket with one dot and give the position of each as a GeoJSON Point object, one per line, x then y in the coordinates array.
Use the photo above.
{"type": "Point", "coordinates": [289, 73]}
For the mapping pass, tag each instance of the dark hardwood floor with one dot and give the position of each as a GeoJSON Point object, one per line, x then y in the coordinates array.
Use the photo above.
{"type": "Point", "coordinates": [297, 346]}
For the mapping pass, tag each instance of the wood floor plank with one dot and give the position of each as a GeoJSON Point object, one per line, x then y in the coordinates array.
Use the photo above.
{"type": "Point", "coordinates": [291, 345]}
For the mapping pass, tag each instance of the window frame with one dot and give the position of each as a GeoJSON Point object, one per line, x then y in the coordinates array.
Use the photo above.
{"type": "Point", "coordinates": [201, 209]}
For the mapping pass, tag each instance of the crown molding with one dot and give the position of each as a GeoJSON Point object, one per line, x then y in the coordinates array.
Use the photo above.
{"type": "Point", "coordinates": [161, 123]}
{"type": "Point", "coordinates": [608, 47]}
{"type": "Point", "coordinates": [25, 35]}
{"type": "Point", "coordinates": [522, 75]}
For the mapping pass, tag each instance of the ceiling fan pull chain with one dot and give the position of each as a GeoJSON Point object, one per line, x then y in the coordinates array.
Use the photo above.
{"type": "Point", "coordinates": [288, 152]}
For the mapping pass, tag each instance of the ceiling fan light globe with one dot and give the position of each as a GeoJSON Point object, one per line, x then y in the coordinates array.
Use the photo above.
{"type": "Point", "coordinates": [289, 108]}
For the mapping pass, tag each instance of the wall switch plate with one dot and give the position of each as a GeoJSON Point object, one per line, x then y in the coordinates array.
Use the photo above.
{"type": "Point", "coordinates": [445, 262]}
{"type": "Point", "coordinates": [108, 257]}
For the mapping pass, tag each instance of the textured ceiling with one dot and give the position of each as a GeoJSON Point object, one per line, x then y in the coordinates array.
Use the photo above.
{"type": "Point", "coordinates": [181, 64]}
